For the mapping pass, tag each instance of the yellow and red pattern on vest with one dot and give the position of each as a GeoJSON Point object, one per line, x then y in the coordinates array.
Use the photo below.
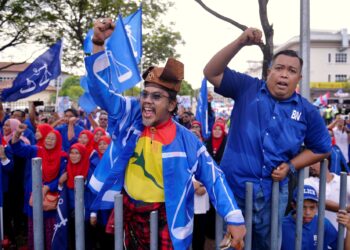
{"type": "Point", "coordinates": [144, 173]}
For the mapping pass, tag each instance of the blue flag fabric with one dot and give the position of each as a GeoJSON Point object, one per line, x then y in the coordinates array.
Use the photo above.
{"type": "Point", "coordinates": [60, 235]}
{"type": "Point", "coordinates": [88, 42]}
{"type": "Point", "coordinates": [36, 77]}
{"type": "Point", "coordinates": [133, 27]}
{"type": "Point", "coordinates": [202, 109]}
{"type": "Point", "coordinates": [123, 67]}
{"type": "Point", "coordinates": [87, 103]}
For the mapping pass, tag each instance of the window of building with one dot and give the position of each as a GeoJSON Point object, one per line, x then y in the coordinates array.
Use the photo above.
{"type": "Point", "coordinates": [340, 57]}
{"type": "Point", "coordinates": [340, 78]}
{"type": "Point", "coordinates": [329, 77]}
{"type": "Point", "coordinates": [329, 57]}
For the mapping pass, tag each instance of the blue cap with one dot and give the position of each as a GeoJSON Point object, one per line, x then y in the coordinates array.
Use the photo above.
{"type": "Point", "coordinates": [309, 193]}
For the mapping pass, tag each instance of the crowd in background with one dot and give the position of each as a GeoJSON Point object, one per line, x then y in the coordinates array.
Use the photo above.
{"type": "Point", "coordinates": [73, 145]}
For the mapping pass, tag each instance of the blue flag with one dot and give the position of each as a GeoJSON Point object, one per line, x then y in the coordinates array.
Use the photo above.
{"type": "Point", "coordinates": [60, 235]}
{"type": "Point", "coordinates": [123, 67]}
{"type": "Point", "coordinates": [36, 77]}
{"type": "Point", "coordinates": [88, 42]}
{"type": "Point", "coordinates": [133, 27]}
{"type": "Point", "coordinates": [202, 109]}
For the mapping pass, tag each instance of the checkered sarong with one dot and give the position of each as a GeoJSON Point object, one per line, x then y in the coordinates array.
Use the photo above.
{"type": "Point", "coordinates": [137, 224]}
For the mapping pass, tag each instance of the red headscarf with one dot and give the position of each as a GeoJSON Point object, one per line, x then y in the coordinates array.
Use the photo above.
{"type": "Point", "coordinates": [44, 130]}
{"type": "Point", "coordinates": [216, 142]}
{"type": "Point", "coordinates": [98, 129]}
{"type": "Point", "coordinates": [90, 144]}
{"type": "Point", "coordinates": [80, 168]}
{"type": "Point", "coordinates": [107, 140]}
{"type": "Point", "coordinates": [200, 128]}
{"type": "Point", "coordinates": [2, 141]}
{"type": "Point", "coordinates": [51, 158]}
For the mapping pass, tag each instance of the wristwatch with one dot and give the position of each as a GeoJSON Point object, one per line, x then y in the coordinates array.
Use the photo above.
{"type": "Point", "coordinates": [291, 167]}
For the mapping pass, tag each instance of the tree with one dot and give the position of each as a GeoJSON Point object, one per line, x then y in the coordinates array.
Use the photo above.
{"type": "Point", "coordinates": [73, 18]}
{"type": "Point", "coordinates": [19, 23]}
{"type": "Point", "coordinates": [134, 91]}
{"type": "Point", "coordinates": [71, 87]}
{"type": "Point", "coordinates": [186, 89]}
{"type": "Point", "coordinates": [267, 47]}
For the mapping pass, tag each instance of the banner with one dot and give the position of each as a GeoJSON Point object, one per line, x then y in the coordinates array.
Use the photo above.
{"type": "Point", "coordinates": [37, 76]}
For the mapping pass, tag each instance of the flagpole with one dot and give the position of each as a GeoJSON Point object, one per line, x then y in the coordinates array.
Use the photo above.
{"type": "Point", "coordinates": [58, 86]}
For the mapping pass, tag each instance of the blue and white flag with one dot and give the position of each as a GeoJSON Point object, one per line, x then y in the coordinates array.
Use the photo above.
{"type": "Point", "coordinates": [88, 42]}
{"type": "Point", "coordinates": [133, 27]}
{"type": "Point", "coordinates": [36, 77]}
{"type": "Point", "coordinates": [202, 109]}
{"type": "Point", "coordinates": [60, 234]}
{"type": "Point", "coordinates": [123, 67]}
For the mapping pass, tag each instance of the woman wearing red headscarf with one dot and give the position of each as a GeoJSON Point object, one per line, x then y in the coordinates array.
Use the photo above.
{"type": "Point", "coordinates": [215, 146]}
{"type": "Point", "coordinates": [98, 133]}
{"type": "Point", "coordinates": [98, 219]}
{"type": "Point", "coordinates": [102, 145]}
{"type": "Point", "coordinates": [42, 130]}
{"type": "Point", "coordinates": [78, 165]}
{"type": "Point", "coordinates": [53, 163]}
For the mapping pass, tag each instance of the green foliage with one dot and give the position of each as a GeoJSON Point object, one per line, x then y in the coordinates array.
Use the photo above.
{"type": "Point", "coordinates": [72, 19]}
{"type": "Point", "coordinates": [186, 89]}
{"type": "Point", "coordinates": [135, 91]}
{"type": "Point", "coordinates": [18, 21]}
{"type": "Point", "coordinates": [71, 87]}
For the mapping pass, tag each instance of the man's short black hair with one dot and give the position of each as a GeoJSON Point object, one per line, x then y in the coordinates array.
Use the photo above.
{"type": "Point", "coordinates": [288, 52]}
{"type": "Point", "coordinates": [23, 114]}
{"type": "Point", "coordinates": [73, 111]}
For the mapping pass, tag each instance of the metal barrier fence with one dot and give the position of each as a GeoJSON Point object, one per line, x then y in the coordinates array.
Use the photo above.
{"type": "Point", "coordinates": [118, 215]}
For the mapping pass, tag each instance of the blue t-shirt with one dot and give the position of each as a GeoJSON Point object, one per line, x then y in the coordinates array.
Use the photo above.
{"type": "Point", "coordinates": [309, 236]}
{"type": "Point", "coordinates": [265, 132]}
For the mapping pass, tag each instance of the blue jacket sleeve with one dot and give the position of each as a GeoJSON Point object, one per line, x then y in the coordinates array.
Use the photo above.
{"type": "Point", "coordinates": [218, 189]}
{"type": "Point", "coordinates": [97, 67]}
{"type": "Point", "coordinates": [8, 165]}
{"type": "Point", "coordinates": [23, 150]}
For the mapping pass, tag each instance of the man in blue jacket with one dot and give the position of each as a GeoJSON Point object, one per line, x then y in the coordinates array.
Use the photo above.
{"type": "Point", "coordinates": [155, 157]}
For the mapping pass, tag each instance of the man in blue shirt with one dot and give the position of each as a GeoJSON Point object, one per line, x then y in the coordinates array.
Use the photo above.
{"type": "Point", "coordinates": [68, 128]}
{"type": "Point", "coordinates": [269, 124]}
{"type": "Point", "coordinates": [310, 225]}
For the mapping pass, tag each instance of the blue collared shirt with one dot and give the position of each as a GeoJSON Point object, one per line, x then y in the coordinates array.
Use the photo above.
{"type": "Point", "coordinates": [265, 132]}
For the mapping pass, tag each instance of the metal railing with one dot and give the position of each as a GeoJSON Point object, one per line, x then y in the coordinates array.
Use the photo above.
{"type": "Point", "coordinates": [118, 215]}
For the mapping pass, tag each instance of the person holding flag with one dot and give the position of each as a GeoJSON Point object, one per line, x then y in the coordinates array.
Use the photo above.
{"type": "Point", "coordinates": [154, 158]}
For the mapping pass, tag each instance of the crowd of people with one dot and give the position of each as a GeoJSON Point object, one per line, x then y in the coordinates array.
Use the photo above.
{"type": "Point", "coordinates": [159, 160]}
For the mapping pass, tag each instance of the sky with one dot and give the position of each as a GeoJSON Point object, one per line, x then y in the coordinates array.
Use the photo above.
{"type": "Point", "coordinates": [205, 34]}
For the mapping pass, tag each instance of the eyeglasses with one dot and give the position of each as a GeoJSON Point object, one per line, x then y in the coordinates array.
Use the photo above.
{"type": "Point", "coordinates": [155, 96]}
